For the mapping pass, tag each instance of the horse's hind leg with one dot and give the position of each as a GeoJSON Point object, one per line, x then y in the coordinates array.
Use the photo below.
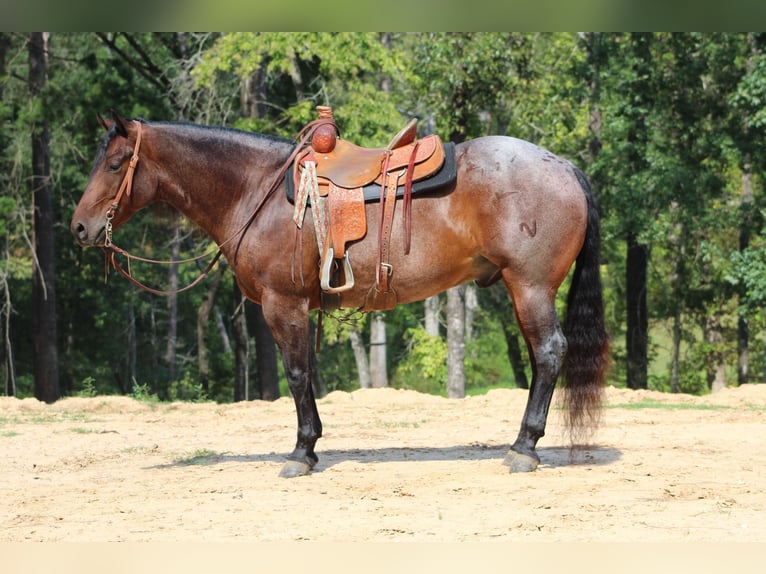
{"type": "Point", "coordinates": [536, 315]}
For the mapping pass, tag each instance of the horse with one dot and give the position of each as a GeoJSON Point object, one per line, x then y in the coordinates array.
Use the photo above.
{"type": "Point", "coordinates": [516, 213]}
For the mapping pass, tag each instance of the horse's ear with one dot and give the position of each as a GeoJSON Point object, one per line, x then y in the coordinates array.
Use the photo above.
{"type": "Point", "coordinates": [104, 122]}
{"type": "Point", "coordinates": [120, 124]}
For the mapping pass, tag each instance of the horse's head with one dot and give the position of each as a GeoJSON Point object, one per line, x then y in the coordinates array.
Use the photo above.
{"type": "Point", "coordinates": [117, 188]}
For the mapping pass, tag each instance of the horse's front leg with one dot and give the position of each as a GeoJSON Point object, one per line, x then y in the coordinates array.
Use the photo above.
{"type": "Point", "coordinates": [289, 322]}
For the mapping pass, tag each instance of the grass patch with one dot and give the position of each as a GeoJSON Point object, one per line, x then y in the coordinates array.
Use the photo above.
{"type": "Point", "coordinates": [657, 404]}
{"type": "Point", "coordinates": [45, 418]}
{"type": "Point", "coordinates": [83, 430]}
{"type": "Point", "coordinates": [400, 425]}
{"type": "Point", "coordinates": [10, 434]}
{"type": "Point", "coordinates": [200, 457]}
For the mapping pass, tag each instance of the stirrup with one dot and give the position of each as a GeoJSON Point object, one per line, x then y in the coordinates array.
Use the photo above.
{"type": "Point", "coordinates": [325, 273]}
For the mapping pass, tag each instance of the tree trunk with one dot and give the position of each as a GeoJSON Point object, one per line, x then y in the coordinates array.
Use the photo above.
{"type": "Point", "coordinates": [385, 81]}
{"type": "Point", "coordinates": [745, 222]}
{"type": "Point", "coordinates": [318, 382]}
{"type": "Point", "coordinates": [44, 326]}
{"type": "Point", "coordinates": [266, 372]}
{"type": "Point", "coordinates": [360, 356]}
{"type": "Point", "coordinates": [222, 330]}
{"type": "Point", "coordinates": [253, 96]}
{"type": "Point", "coordinates": [172, 340]}
{"type": "Point", "coordinates": [675, 354]}
{"type": "Point", "coordinates": [456, 342]}
{"type": "Point", "coordinates": [471, 306]}
{"type": "Point", "coordinates": [378, 362]}
{"type": "Point", "coordinates": [132, 349]}
{"type": "Point", "coordinates": [9, 371]}
{"type": "Point", "coordinates": [203, 317]}
{"type": "Point", "coordinates": [241, 350]}
{"type": "Point", "coordinates": [714, 359]}
{"type": "Point", "coordinates": [515, 356]}
{"type": "Point", "coordinates": [6, 308]}
{"type": "Point", "coordinates": [432, 309]}
{"type": "Point", "coordinates": [637, 329]}
{"type": "Point", "coordinates": [595, 51]}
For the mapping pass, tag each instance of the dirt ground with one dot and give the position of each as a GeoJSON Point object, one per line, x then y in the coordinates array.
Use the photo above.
{"type": "Point", "coordinates": [394, 466]}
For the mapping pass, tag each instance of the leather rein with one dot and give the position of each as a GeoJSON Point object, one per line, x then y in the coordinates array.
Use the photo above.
{"type": "Point", "coordinates": [126, 187]}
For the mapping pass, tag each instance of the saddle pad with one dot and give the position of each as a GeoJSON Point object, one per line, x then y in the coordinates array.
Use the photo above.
{"type": "Point", "coordinates": [445, 176]}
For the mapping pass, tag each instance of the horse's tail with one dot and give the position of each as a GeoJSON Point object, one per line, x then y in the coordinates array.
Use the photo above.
{"type": "Point", "coordinates": [587, 359]}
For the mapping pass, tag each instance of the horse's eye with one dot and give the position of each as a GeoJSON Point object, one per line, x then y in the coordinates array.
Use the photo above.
{"type": "Point", "coordinates": [113, 166]}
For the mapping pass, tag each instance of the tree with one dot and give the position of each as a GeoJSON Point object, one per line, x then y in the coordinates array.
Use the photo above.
{"type": "Point", "coordinates": [266, 371]}
{"type": "Point", "coordinates": [456, 342]}
{"type": "Point", "coordinates": [7, 208]}
{"type": "Point", "coordinates": [745, 84]}
{"type": "Point", "coordinates": [627, 193]}
{"type": "Point", "coordinates": [669, 127]}
{"type": "Point", "coordinates": [44, 314]}
{"type": "Point", "coordinates": [241, 347]}
{"type": "Point", "coordinates": [378, 355]}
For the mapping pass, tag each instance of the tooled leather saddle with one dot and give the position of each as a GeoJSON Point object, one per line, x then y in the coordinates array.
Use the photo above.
{"type": "Point", "coordinates": [345, 177]}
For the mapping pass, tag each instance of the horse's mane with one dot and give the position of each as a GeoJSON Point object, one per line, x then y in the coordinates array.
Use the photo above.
{"type": "Point", "coordinates": [225, 133]}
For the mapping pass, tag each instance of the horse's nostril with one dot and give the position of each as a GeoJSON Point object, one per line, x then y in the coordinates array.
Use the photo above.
{"type": "Point", "coordinates": [80, 231]}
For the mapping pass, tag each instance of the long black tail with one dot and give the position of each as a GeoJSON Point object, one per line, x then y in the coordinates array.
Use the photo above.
{"type": "Point", "coordinates": [587, 360]}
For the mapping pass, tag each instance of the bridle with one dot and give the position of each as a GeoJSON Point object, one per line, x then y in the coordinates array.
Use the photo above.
{"type": "Point", "coordinates": [126, 187]}
{"type": "Point", "coordinates": [110, 249]}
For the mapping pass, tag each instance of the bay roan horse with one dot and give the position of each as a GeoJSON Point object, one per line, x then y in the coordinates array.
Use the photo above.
{"type": "Point", "coordinates": [517, 213]}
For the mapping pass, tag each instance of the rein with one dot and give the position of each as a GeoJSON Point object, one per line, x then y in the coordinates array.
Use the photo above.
{"type": "Point", "coordinates": [126, 187]}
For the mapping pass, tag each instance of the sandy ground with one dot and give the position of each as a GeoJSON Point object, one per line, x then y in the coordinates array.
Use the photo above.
{"type": "Point", "coordinates": [394, 466]}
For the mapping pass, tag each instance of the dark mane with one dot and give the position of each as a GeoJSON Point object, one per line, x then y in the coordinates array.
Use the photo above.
{"type": "Point", "coordinates": [225, 133]}
{"type": "Point", "coordinates": [222, 130]}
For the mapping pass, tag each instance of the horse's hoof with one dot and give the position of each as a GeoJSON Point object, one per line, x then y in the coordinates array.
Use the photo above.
{"type": "Point", "coordinates": [293, 468]}
{"type": "Point", "coordinates": [520, 462]}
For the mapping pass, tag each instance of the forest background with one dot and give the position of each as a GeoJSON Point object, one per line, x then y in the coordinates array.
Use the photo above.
{"type": "Point", "coordinates": [668, 126]}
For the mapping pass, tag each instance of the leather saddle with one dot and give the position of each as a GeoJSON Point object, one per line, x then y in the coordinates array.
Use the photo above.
{"type": "Point", "coordinates": [343, 172]}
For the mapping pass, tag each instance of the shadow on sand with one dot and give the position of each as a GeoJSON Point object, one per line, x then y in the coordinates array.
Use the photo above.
{"type": "Point", "coordinates": [550, 457]}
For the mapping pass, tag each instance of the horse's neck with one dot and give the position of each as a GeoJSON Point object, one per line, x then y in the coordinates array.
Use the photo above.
{"type": "Point", "coordinates": [217, 177]}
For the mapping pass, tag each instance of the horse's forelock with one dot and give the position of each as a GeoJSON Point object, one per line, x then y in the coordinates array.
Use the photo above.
{"type": "Point", "coordinates": [102, 147]}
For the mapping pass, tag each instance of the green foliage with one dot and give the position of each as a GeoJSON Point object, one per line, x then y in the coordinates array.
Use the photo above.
{"type": "Point", "coordinates": [748, 274]}
{"type": "Point", "coordinates": [486, 363]}
{"type": "Point", "coordinates": [425, 367]}
{"type": "Point", "coordinates": [87, 388]}
{"type": "Point", "coordinates": [681, 122]}
{"type": "Point", "coordinates": [7, 206]}
{"type": "Point", "coordinates": [187, 389]}
{"type": "Point", "coordinates": [143, 393]}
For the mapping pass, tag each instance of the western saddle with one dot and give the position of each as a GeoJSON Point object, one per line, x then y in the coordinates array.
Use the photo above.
{"type": "Point", "coordinates": [333, 172]}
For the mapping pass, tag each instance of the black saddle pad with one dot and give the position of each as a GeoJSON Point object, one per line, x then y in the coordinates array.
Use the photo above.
{"type": "Point", "coordinates": [446, 175]}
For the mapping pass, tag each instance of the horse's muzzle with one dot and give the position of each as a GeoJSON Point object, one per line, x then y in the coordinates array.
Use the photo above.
{"type": "Point", "coordinates": [85, 238]}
